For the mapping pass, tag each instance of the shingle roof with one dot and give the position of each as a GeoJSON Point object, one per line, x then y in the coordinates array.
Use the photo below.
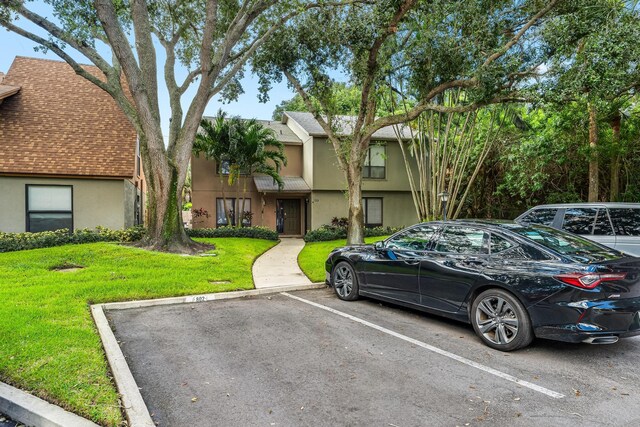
{"type": "Point", "coordinates": [344, 125]}
{"type": "Point", "coordinates": [294, 184]}
{"type": "Point", "coordinates": [282, 131]}
{"type": "Point", "coordinates": [61, 124]}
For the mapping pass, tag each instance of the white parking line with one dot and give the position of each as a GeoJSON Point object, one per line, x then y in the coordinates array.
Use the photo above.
{"type": "Point", "coordinates": [437, 350]}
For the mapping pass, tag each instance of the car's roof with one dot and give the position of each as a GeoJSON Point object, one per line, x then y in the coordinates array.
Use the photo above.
{"type": "Point", "coordinates": [587, 205]}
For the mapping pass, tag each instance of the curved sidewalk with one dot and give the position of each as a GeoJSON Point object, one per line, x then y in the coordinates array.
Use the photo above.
{"type": "Point", "coordinates": [279, 265]}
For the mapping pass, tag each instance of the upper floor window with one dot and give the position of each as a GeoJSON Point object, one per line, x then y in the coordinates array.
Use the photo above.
{"type": "Point", "coordinates": [49, 208]}
{"type": "Point", "coordinates": [375, 162]}
{"type": "Point", "coordinates": [224, 168]}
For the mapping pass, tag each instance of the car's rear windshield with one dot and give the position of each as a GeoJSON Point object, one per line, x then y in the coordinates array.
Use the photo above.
{"type": "Point", "coordinates": [567, 244]}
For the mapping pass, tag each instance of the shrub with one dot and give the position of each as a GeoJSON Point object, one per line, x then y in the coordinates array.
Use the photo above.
{"type": "Point", "coordinates": [331, 232]}
{"type": "Point", "coordinates": [251, 232]}
{"type": "Point", "coordinates": [21, 241]}
{"type": "Point", "coordinates": [339, 222]}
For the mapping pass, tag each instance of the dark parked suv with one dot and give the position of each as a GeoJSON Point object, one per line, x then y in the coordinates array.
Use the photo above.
{"type": "Point", "coordinates": [616, 225]}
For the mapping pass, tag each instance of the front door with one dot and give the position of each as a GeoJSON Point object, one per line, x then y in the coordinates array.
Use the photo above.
{"type": "Point", "coordinates": [288, 216]}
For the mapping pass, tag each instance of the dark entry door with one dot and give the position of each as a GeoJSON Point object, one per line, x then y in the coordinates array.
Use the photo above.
{"type": "Point", "coordinates": [288, 216]}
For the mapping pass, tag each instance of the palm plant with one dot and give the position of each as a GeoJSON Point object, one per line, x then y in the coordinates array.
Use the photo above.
{"type": "Point", "coordinates": [259, 151]}
{"type": "Point", "coordinates": [246, 147]}
{"type": "Point", "coordinates": [214, 142]}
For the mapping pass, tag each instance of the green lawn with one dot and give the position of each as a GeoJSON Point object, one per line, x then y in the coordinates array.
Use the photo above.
{"type": "Point", "coordinates": [314, 254]}
{"type": "Point", "coordinates": [48, 342]}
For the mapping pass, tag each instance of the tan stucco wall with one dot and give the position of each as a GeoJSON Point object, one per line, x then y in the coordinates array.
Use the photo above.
{"type": "Point", "coordinates": [95, 202]}
{"type": "Point", "coordinates": [206, 187]}
{"type": "Point", "coordinates": [294, 161]}
{"type": "Point", "coordinates": [397, 207]}
{"type": "Point", "coordinates": [328, 176]}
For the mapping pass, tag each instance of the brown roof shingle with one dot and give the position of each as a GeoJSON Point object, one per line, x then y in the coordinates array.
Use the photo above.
{"type": "Point", "coordinates": [61, 124]}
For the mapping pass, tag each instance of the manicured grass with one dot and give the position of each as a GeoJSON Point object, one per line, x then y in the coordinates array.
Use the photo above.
{"type": "Point", "coordinates": [48, 342]}
{"type": "Point", "coordinates": [314, 255]}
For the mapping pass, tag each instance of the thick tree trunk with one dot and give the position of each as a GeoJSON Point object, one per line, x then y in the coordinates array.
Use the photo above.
{"type": "Point", "coordinates": [165, 230]}
{"type": "Point", "coordinates": [593, 154]}
{"type": "Point", "coordinates": [614, 189]}
{"type": "Point", "coordinates": [165, 182]}
{"type": "Point", "coordinates": [355, 230]}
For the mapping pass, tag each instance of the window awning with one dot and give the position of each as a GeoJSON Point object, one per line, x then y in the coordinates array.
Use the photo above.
{"type": "Point", "coordinates": [292, 184]}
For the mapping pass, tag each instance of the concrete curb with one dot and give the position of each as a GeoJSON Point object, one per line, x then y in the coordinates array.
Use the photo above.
{"type": "Point", "coordinates": [207, 297]}
{"type": "Point", "coordinates": [132, 401]}
{"type": "Point", "coordinates": [33, 411]}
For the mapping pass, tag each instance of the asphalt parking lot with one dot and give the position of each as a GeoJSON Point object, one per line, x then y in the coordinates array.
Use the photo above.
{"type": "Point", "coordinates": [307, 358]}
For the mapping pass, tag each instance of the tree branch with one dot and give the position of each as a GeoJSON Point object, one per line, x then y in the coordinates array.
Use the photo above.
{"type": "Point", "coordinates": [519, 34]}
{"type": "Point", "coordinates": [146, 52]}
{"type": "Point", "coordinates": [372, 60]}
{"type": "Point", "coordinates": [58, 33]}
{"type": "Point", "coordinates": [335, 140]}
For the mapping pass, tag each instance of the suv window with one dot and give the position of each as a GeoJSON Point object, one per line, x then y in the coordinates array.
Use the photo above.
{"type": "Point", "coordinates": [602, 226]}
{"type": "Point", "coordinates": [461, 240]}
{"type": "Point", "coordinates": [543, 216]}
{"type": "Point", "coordinates": [626, 221]}
{"type": "Point", "coordinates": [416, 238]}
{"type": "Point", "coordinates": [579, 220]}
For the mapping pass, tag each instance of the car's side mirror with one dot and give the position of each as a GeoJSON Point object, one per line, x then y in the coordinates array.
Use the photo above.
{"type": "Point", "coordinates": [379, 245]}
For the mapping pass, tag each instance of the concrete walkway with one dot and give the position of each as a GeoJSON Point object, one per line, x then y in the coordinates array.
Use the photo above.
{"type": "Point", "coordinates": [279, 265]}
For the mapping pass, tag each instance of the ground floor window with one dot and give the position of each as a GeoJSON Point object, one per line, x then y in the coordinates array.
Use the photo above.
{"type": "Point", "coordinates": [225, 211]}
{"type": "Point", "coordinates": [232, 207]}
{"type": "Point", "coordinates": [49, 207]}
{"type": "Point", "coordinates": [244, 207]}
{"type": "Point", "coordinates": [372, 207]}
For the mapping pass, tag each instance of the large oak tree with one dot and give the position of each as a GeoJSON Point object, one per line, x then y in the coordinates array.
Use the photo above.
{"type": "Point", "coordinates": [138, 45]}
{"type": "Point", "coordinates": [418, 49]}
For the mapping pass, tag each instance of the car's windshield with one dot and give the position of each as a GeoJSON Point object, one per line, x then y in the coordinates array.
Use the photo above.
{"type": "Point", "coordinates": [566, 243]}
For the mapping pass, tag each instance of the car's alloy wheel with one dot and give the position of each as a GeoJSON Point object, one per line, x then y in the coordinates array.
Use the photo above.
{"type": "Point", "coordinates": [501, 321]}
{"type": "Point", "coordinates": [345, 282]}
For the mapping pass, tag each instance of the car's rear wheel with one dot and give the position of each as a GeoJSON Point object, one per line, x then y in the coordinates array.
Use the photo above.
{"type": "Point", "coordinates": [501, 321]}
{"type": "Point", "coordinates": [345, 282]}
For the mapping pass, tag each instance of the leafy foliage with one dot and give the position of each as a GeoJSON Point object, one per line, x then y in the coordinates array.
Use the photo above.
{"type": "Point", "coordinates": [22, 241]}
{"type": "Point", "coordinates": [330, 232]}
{"type": "Point", "coordinates": [250, 232]}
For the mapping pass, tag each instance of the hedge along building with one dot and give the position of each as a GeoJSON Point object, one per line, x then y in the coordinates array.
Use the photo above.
{"type": "Point", "coordinates": [68, 156]}
{"type": "Point", "coordinates": [314, 186]}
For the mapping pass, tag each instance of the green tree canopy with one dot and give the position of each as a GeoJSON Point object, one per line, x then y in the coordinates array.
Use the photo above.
{"type": "Point", "coordinates": [416, 51]}
{"type": "Point", "coordinates": [146, 43]}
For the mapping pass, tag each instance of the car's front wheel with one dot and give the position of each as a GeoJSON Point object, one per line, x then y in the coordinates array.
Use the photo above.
{"type": "Point", "coordinates": [501, 321]}
{"type": "Point", "coordinates": [345, 282]}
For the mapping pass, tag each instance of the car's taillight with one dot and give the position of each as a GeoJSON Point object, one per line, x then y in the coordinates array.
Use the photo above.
{"type": "Point", "coordinates": [589, 280]}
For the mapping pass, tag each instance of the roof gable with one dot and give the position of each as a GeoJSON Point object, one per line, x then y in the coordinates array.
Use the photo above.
{"type": "Point", "coordinates": [344, 125]}
{"type": "Point", "coordinates": [61, 124]}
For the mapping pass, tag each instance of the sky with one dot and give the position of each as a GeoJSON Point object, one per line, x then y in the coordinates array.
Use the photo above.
{"type": "Point", "coordinates": [247, 106]}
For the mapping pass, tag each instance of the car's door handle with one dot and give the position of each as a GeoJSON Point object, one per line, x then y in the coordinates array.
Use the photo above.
{"type": "Point", "coordinates": [412, 261]}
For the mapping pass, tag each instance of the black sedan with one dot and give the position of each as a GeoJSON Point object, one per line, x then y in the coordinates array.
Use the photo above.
{"type": "Point", "coordinates": [512, 282]}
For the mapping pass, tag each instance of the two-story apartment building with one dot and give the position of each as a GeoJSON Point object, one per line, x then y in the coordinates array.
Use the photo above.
{"type": "Point", "coordinates": [68, 156]}
{"type": "Point", "coordinates": [314, 186]}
